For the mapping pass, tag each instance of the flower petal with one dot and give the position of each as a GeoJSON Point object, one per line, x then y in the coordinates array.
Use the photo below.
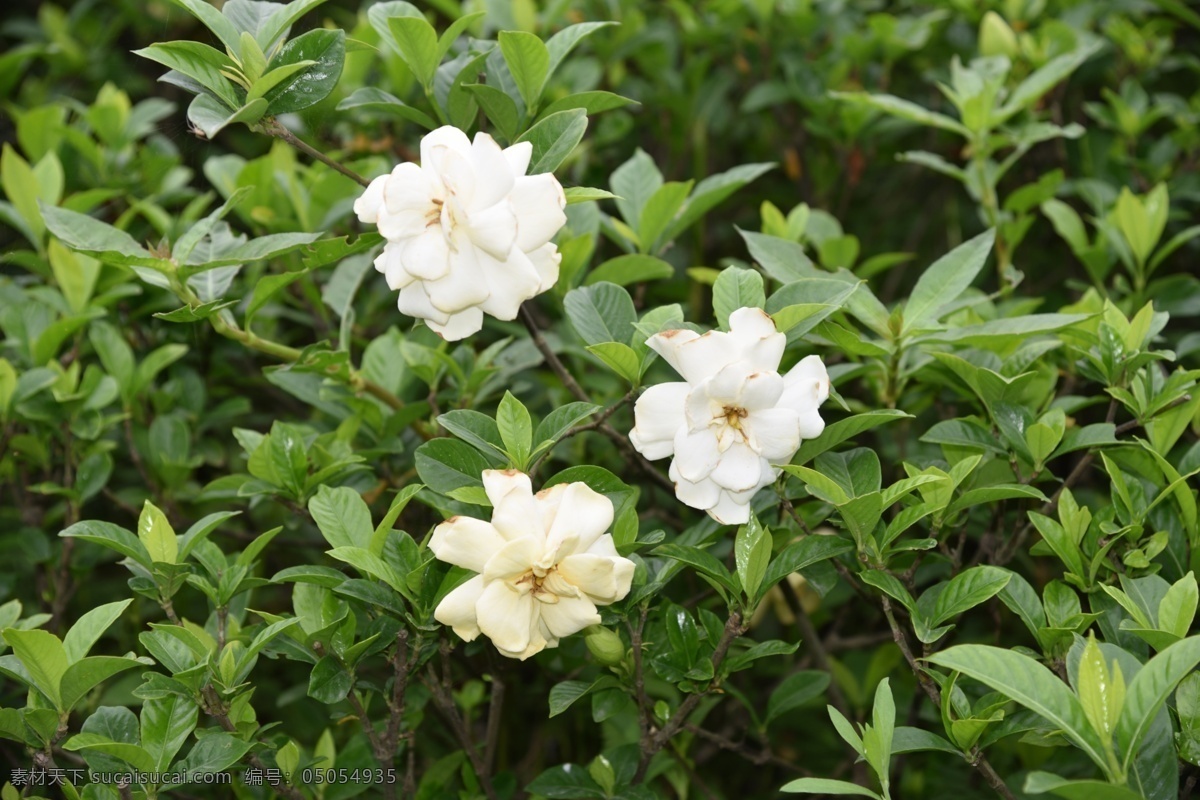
{"type": "Point", "coordinates": [459, 326]}
{"type": "Point", "coordinates": [705, 356]}
{"type": "Point", "coordinates": [511, 281]}
{"type": "Point", "coordinates": [760, 343]}
{"type": "Point", "coordinates": [604, 580]}
{"type": "Point", "coordinates": [494, 176]}
{"type": "Point", "coordinates": [806, 385]}
{"type": "Point", "coordinates": [738, 469]}
{"type": "Point", "coordinates": [414, 301]}
{"type": "Point", "coordinates": [658, 415]}
{"type": "Point", "coordinates": [696, 454]}
{"type": "Point", "coordinates": [457, 609]}
{"type": "Point", "coordinates": [774, 433]}
{"type": "Point", "coordinates": [538, 201]}
{"type": "Point", "coordinates": [761, 390]}
{"type": "Point", "coordinates": [811, 425]}
{"type": "Point", "coordinates": [391, 263]}
{"type": "Point", "coordinates": [493, 229]}
{"type": "Point", "coordinates": [518, 156]}
{"type": "Point", "coordinates": [411, 189]}
{"type": "Point", "coordinates": [514, 560]}
{"type": "Point", "coordinates": [506, 616]}
{"type": "Point", "coordinates": [548, 502]}
{"type": "Point", "coordinates": [436, 143]}
{"type": "Point", "coordinates": [730, 509]}
{"type": "Point", "coordinates": [517, 516]}
{"type": "Point", "coordinates": [466, 542]}
{"type": "Point", "coordinates": [584, 515]}
{"type": "Point", "coordinates": [368, 204]}
{"type": "Point", "coordinates": [498, 483]}
{"type": "Point", "coordinates": [463, 286]}
{"type": "Point", "coordinates": [545, 260]}
{"type": "Point", "coordinates": [702, 494]}
{"type": "Point", "coordinates": [569, 615]}
{"type": "Point", "coordinates": [427, 256]}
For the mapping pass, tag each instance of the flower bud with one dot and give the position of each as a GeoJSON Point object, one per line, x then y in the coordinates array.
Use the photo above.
{"type": "Point", "coordinates": [605, 645]}
{"type": "Point", "coordinates": [996, 38]}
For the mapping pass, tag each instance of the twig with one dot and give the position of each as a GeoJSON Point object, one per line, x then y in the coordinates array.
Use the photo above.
{"type": "Point", "coordinates": [809, 633]}
{"type": "Point", "coordinates": [976, 758]}
{"type": "Point", "coordinates": [659, 739]}
{"type": "Point", "coordinates": [445, 705]}
{"type": "Point", "coordinates": [765, 756]}
{"type": "Point", "coordinates": [583, 427]}
{"type": "Point", "coordinates": [575, 389]}
{"type": "Point", "coordinates": [273, 127]}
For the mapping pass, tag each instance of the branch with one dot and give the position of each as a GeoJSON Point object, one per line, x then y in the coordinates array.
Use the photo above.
{"type": "Point", "coordinates": [445, 705]}
{"type": "Point", "coordinates": [575, 389]}
{"type": "Point", "coordinates": [273, 127]}
{"type": "Point", "coordinates": [976, 758]}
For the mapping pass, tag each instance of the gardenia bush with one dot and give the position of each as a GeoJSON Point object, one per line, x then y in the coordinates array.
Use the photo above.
{"type": "Point", "coordinates": [599, 400]}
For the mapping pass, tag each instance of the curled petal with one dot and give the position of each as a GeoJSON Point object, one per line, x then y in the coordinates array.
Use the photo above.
{"type": "Point", "coordinates": [774, 433]}
{"type": "Point", "coordinates": [370, 203]}
{"type": "Point", "coordinates": [457, 609]}
{"type": "Point", "coordinates": [441, 141]}
{"type": "Point", "coordinates": [811, 425]}
{"type": "Point", "coordinates": [539, 202]}
{"type": "Point", "coordinates": [498, 483]}
{"type": "Point", "coordinates": [518, 156]}
{"type": "Point", "coordinates": [391, 263]}
{"type": "Point", "coordinates": [658, 415]}
{"type": "Point", "coordinates": [584, 515]}
{"type": "Point", "coordinates": [731, 509]}
{"type": "Point", "coordinates": [806, 385]}
{"type": "Point", "coordinates": [514, 560]}
{"type": "Point", "coordinates": [604, 580]}
{"type": "Point", "coordinates": [414, 301]}
{"type": "Point", "coordinates": [458, 326]}
{"type": "Point", "coordinates": [738, 469]}
{"type": "Point", "coordinates": [466, 542]}
{"type": "Point", "coordinates": [427, 257]}
{"type": "Point", "coordinates": [463, 286]}
{"type": "Point", "coordinates": [507, 616]}
{"type": "Point", "coordinates": [494, 174]}
{"type": "Point", "coordinates": [569, 615]}
{"type": "Point", "coordinates": [702, 494]}
{"type": "Point", "coordinates": [696, 454]}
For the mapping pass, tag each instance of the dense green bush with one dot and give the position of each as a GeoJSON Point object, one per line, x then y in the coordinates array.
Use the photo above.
{"type": "Point", "coordinates": [246, 489]}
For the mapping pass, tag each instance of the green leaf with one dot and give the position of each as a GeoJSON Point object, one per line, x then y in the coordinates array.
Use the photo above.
{"type": "Point", "coordinates": [275, 77]}
{"type": "Point", "coordinates": [584, 194]}
{"type": "Point", "coordinates": [945, 280]}
{"type": "Point", "coordinates": [475, 428]}
{"type": "Point", "coordinates": [591, 102]}
{"type": "Point", "coordinates": [212, 116]}
{"type": "Point", "coordinates": [132, 754]}
{"type": "Point", "coordinates": [90, 627]}
{"type": "Point", "coordinates": [327, 50]}
{"type": "Point", "coordinates": [199, 62]}
{"type": "Point", "coordinates": [563, 42]}
{"type": "Point", "coordinates": [819, 485]}
{"type": "Point", "coordinates": [904, 110]}
{"type": "Point", "coordinates": [111, 536]}
{"type": "Point", "coordinates": [329, 682]}
{"type": "Point", "coordinates": [840, 431]}
{"type": "Point", "coordinates": [826, 786]}
{"type": "Point", "coordinates": [563, 695]}
{"type": "Point", "coordinates": [710, 192]}
{"type": "Point", "coordinates": [166, 724]}
{"type": "Point", "coordinates": [74, 273]}
{"type": "Point", "coordinates": [660, 210]}
{"type": "Point", "coordinates": [796, 690]}
{"type": "Point", "coordinates": [619, 357]}
{"type": "Point", "coordinates": [44, 659]}
{"type": "Point", "coordinates": [752, 553]}
{"type": "Point", "coordinates": [631, 268]}
{"type": "Point", "coordinates": [1178, 607]}
{"type": "Point", "coordinates": [501, 110]}
{"type": "Point", "coordinates": [1042, 80]}
{"type": "Point", "coordinates": [21, 186]}
{"type": "Point", "coordinates": [216, 22]}
{"type": "Point", "coordinates": [1046, 783]}
{"type": "Point", "coordinates": [276, 25]}
{"type": "Point", "coordinates": [968, 589]}
{"type": "Point", "coordinates": [1147, 692]}
{"type": "Point", "coordinates": [1101, 689]}
{"type": "Point", "coordinates": [553, 138]}
{"type": "Point", "coordinates": [603, 312]}
{"type": "Point", "coordinates": [1029, 683]}
{"type": "Point", "coordinates": [516, 428]}
{"type": "Point", "coordinates": [418, 44]}
{"type": "Point", "coordinates": [384, 528]}
{"type": "Point", "coordinates": [374, 99]}
{"type": "Point", "coordinates": [801, 554]}
{"type": "Point", "coordinates": [342, 515]}
{"type": "Point", "coordinates": [737, 288]}
{"type": "Point", "coordinates": [88, 235]}
{"type": "Point", "coordinates": [157, 535]}
{"type": "Point", "coordinates": [701, 560]}
{"type": "Point", "coordinates": [528, 60]}
{"type": "Point", "coordinates": [88, 673]}
{"type": "Point", "coordinates": [558, 422]}
{"type": "Point", "coordinates": [445, 465]}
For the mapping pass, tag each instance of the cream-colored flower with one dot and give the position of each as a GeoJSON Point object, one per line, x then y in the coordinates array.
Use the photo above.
{"type": "Point", "coordinates": [545, 562]}
{"type": "Point", "coordinates": [733, 417]}
{"type": "Point", "coordinates": [468, 232]}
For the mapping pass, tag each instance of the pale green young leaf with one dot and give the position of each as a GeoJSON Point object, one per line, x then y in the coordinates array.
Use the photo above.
{"type": "Point", "coordinates": [157, 535]}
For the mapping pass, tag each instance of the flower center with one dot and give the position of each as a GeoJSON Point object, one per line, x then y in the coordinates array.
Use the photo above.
{"type": "Point", "coordinates": [536, 580]}
{"type": "Point", "coordinates": [733, 416]}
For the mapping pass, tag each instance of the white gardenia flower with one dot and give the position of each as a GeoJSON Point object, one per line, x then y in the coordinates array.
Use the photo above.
{"type": "Point", "coordinates": [734, 417]}
{"type": "Point", "coordinates": [544, 562]}
{"type": "Point", "coordinates": [468, 232]}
